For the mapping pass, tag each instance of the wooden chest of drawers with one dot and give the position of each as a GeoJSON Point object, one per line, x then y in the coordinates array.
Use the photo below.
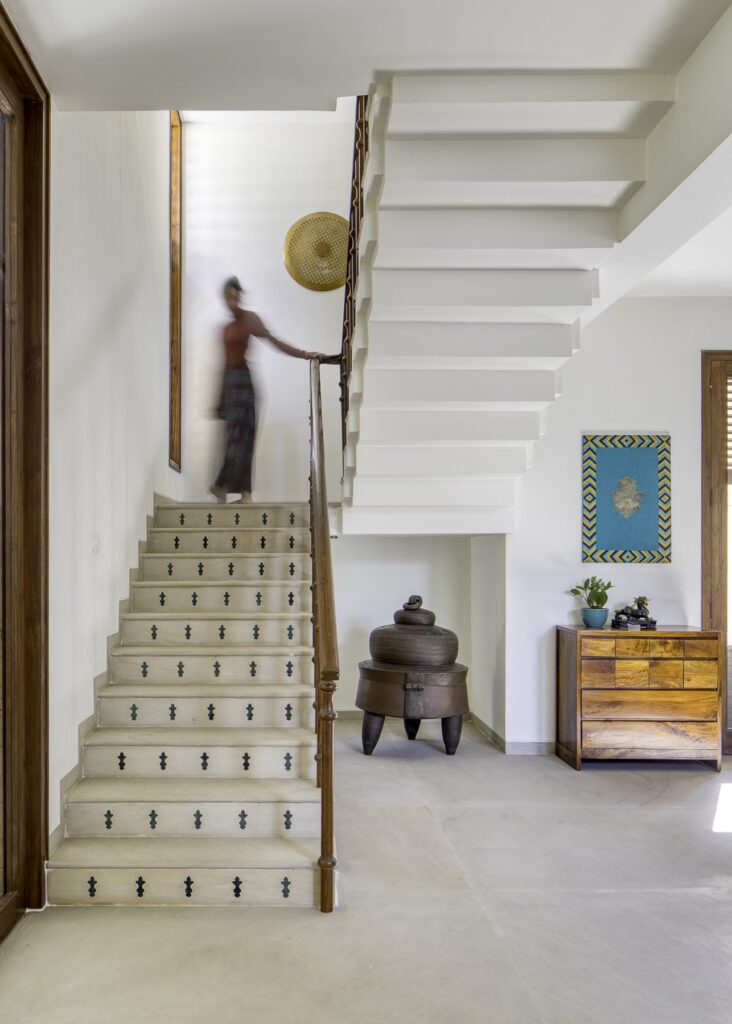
{"type": "Point", "coordinates": [639, 695]}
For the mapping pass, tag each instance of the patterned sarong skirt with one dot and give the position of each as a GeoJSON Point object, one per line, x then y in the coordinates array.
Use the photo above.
{"type": "Point", "coordinates": [237, 409]}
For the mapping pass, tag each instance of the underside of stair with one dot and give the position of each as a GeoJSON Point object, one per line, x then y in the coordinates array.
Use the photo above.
{"type": "Point", "coordinates": [490, 201]}
{"type": "Point", "coordinates": [198, 783]}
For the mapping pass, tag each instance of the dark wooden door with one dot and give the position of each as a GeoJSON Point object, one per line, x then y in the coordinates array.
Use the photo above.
{"type": "Point", "coordinates": [23, 480]}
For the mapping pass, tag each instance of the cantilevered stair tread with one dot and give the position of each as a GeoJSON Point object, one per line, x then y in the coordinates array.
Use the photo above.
{"type": "Point", "coordinates": [231, 650]}
{"type": "Point", "coordinates": [222, 616]}
{"type": "Point", "coordinates": [129, 691]}
{"type": "Point", "coordinates": [237, 506]}
{"type": "Point", "coordinates": [199, 852]}
{"type": "Point", "coordinates": [245, 791]}
{"type": "Point", "coordinates": [262, 584]}
{"type": "Point", "coordinates": [204, 738]}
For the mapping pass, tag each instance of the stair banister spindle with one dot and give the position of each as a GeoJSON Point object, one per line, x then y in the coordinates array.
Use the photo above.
{"type": "Point", "coordinates": [325, 642]}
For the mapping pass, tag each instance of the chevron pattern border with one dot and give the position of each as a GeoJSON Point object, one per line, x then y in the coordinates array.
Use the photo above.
{"type": "Point", "coordinates": [590, 445]}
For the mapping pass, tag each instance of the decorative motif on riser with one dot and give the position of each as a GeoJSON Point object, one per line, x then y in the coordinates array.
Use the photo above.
{"type": "Point", "coordinates": [226, 518]}
{"type": "Point", "coordinates": [221, 820]}
{"type": "Point", "coordinates": [217, 568]}
{"type": "Point", "coordinates": [225, 598]}
{"type": "Point", "coordinates": [228, 712]}
{"type": "Point", "coordinates": [166, 886]}
{"type": "Point", "coordinates": [213, 541]}
{"type": "Point", "coordinates": [265, 762]}
{"type": "Point", "coordinates": [277, 632]}
{"type": "Point", "coordinates": [207, 668]}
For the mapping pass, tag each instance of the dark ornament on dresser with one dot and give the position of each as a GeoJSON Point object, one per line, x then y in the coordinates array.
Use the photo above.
{"type": "Point", "coordinates": [412, 675]}
{"type": "Point", "coordinates": [635, 616]}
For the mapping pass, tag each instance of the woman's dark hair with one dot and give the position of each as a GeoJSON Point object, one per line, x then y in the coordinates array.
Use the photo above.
{"type": "Point", "coordinates": [233, 282]}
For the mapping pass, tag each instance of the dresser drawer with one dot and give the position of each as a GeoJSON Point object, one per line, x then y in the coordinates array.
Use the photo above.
{"type": "Point", "coordinates": [632, 647]}
{"type": "Point", "coordinates": [666, 648]}
{"type": "Point", "coordinates": [597, 647]}
{"type": "Point", "coordinates": [626, 739]}
{"type": "Point", "coordinates": [701, 649]}
{"type": "Point", "coordinates": [597, 672]}
{"type": "Point", "coordinates": [647, 706]}
{"type": "Point", "coordinates": [632, 673]}
{"type": "Point", "coordinates": [666, 674]}
{"type": "Point", "coordinates": [700, 675]}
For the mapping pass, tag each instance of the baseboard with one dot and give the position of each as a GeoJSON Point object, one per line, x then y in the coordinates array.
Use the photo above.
{"type": "Point", "coordinates": [519, 749]}
{"type": "Point", "coordinates": [485, 730]}
{"type": "Point", "coordinates": [536, 749]}
{"type": "Point", "coordinates": [510, 748]}
{"type": "Point", "coordinates": [57, 836]}
{"type": "Point", "coordinates": [113, 639]}
{"type": "Point", "coordinates": [160, 500]}
{"type": "Point", "coordinates": [71, 778]}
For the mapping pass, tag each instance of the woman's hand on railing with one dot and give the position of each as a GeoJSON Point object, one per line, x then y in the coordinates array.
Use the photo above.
{"type": "Point", "coordinates": [323, 358]}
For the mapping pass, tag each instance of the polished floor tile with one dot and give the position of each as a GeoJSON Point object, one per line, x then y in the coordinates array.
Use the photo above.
{"type": "Point", "coordinates": [480, 888]}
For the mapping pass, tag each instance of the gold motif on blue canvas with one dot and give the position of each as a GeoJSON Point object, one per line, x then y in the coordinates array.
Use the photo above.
{"type": "Point", "coordinates": [626, 498]}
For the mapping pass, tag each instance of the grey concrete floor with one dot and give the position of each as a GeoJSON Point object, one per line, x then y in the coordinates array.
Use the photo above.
{"type": "Point", "coordinates": [500, 890]}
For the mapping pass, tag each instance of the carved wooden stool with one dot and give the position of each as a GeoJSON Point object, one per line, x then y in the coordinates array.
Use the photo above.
{"type": "Point", "coordinates": [413, 675]}
{"type": "Point", "coordinates": [412, 693]}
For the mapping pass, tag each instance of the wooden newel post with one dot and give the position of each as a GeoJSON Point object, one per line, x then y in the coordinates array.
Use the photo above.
{"type": "Point", "coordinates": [325, 642]}
{"type": "Point", "coordinates": [327, 861]}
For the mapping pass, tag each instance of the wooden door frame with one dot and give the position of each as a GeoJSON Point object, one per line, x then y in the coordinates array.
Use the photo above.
{"type": "Point", "coordinates": [716, 367]}
{"type": "Point", "coordinates": [25, 485]}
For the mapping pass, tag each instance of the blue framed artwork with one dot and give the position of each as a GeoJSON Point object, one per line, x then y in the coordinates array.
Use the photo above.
{"type": "Point", "coordinates": [626, 498]}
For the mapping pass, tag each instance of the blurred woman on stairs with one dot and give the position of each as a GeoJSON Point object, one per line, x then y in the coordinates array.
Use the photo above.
{"type": "Point", "coordinates": [237, 402]}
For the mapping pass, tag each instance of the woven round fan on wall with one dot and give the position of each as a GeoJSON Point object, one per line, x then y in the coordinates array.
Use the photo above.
{"type": "Point", "coordinates": [316, 251]}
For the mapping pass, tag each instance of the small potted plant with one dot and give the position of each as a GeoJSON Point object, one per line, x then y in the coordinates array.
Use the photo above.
{"type": "Point", "coordinates": [594, 591]}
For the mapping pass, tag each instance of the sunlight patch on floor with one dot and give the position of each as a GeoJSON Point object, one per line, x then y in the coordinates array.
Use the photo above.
{"type": "Point", "coordinates": [723, 814]}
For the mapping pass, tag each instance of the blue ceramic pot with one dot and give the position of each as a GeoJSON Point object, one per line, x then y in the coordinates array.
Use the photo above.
{"type": "Point", "coordinates": [594, 618]}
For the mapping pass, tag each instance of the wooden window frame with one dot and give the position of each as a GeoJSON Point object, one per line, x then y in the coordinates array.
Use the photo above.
{"type": "Point", "coordinates": [25, 483]}
{"type": "Point", "coordinates": [176, 199]}
{"type": "Point", "coordinates": [716, 367]}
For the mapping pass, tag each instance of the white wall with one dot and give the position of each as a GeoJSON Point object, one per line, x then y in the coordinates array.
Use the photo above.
{"type": "Point", "coordinates": [108, 390]}
{"type": "Point", "coordinates": [375, 575]}
{"type": "Point", "coordinates": [639, 370]}
{"type": "Point", "coordinates": [247, 179]}
{"type": "Point", "coordinates": [488, 631]}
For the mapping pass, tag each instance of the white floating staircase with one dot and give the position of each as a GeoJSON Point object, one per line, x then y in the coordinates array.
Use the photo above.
{"type": "Point", "coordinates": [198, 783]}
{"type": "Point", "coordinates": [490, 200]}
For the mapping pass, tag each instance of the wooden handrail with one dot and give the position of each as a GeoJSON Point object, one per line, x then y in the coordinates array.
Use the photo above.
{"type": "Point", "coordinates": [360, 153]}
{"type": "Point", "coordinates": [325, 639]}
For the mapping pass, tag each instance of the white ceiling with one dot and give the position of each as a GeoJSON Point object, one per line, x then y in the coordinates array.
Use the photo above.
{"type": "Point", "coordinates": [703, 266]}
{"type": "Point", "coordinates": [303, 54]}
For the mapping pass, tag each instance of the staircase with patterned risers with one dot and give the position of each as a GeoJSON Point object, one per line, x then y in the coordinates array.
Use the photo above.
{"type": "Point", "coordinates": [198, 783]}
